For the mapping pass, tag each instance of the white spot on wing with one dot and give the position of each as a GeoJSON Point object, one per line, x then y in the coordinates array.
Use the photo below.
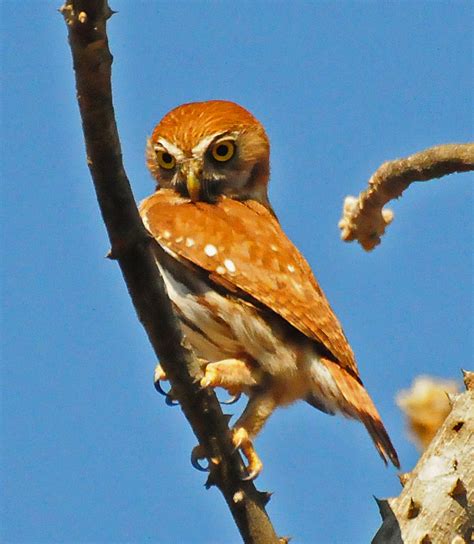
{"type": "Point", "coordinates": [273, 247]}
{"type": "Point", "coordinates": [179, 239]}
{"type": "Point", "coordinates": [166, 234]}
{"type": "Point", "coordinates": [230, 265]}
{"type": "Point", "coordinates": [291, 268]}
{"type": "Point", "coordinates": [189, 242]}
{"type": "Point", "coordinates": [220, 270]}
{"type": "Point", "coordinates": [210, 250]}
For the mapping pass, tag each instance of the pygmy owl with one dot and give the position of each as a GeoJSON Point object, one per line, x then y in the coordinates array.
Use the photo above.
{"type": "Point", "coordinates": [246, 298]}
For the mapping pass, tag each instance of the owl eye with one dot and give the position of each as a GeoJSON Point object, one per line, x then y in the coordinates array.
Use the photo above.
{"type": "Point", "coordinates": [223, 151]}
{"type": "Point", "coordinates": [165, 159]}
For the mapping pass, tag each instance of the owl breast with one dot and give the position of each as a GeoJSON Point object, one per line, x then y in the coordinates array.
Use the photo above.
{"type": "Point", "coordinates": [221, 326]}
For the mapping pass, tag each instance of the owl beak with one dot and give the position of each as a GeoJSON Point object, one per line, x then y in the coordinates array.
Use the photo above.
{"type": "Point", "coordinates": [192, 183]}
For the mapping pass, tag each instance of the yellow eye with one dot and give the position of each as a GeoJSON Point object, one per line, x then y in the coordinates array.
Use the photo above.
{"type": "Point", "coordinates": [165, 159]}
{"type": "Point", "coordinates": [223, 151]}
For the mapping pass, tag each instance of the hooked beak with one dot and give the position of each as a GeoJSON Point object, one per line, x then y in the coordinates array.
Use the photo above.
{"type": "Point", "coordinates": [193, 183]}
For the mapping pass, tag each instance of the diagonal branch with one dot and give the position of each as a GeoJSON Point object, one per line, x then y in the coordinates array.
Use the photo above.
{"type": "Point", "coordinates": [364, 218]}
{"type": "Point", "coordinates": [437, 500]}
{"type": "Point", "coordinates": [130, 242]}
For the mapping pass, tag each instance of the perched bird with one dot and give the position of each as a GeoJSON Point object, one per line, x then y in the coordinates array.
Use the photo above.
{"type": "Point", "coordinates": [246, 298]}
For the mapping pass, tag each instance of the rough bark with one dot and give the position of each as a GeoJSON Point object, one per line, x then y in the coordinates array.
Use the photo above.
{"type": "Point", "coordinates": [130, 243]}
{"type": "Point", "coordinates": [436, 505]}
{"type": "Point", "coordinates": [364, 219]}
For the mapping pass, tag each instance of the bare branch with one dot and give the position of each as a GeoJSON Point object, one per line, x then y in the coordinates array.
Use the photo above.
{"type": "Point", "coordinates": [364, 218]}
{"type": "Point", "coordinates": [130, 242]}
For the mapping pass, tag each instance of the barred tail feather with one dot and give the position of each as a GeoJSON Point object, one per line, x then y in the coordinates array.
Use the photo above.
{"type": "Point", "coordinates": [360, 406]}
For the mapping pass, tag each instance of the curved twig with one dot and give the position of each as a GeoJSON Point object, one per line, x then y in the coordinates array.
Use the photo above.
{"type": "Point", "coordinates": [86, 20]}
{"type": "Point", "coordinates": [364, 218]}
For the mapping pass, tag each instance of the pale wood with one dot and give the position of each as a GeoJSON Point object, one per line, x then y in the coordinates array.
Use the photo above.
{"type": "Point", "coordinates": [436, 505]}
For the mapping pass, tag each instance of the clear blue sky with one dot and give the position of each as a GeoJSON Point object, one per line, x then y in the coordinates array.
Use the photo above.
{"type": "Point", "coordinates": [90, 451]}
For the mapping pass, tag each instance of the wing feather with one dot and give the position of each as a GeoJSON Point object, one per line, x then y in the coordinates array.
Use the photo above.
{"type": "Point", "coordinates": [251, 253]}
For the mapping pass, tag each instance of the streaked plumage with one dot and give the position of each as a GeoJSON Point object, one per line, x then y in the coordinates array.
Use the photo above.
{"type": "Point", "coordinates": [242, 290]}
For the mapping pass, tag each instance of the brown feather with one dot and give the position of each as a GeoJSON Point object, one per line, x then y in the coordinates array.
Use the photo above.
{"type": "Point", "coordinates": [267, 265]}
{"type": "Point", "coordinates": [187, 124]}
{"type": "Point", "coordinates": [361, 407]}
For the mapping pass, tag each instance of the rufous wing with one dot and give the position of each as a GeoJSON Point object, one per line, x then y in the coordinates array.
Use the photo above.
{"type": "Point", "coordinates": [242, 244]}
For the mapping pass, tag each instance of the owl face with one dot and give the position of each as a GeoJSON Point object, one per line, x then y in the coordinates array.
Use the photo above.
{"type": "Point", "coordinates": [207, 149]}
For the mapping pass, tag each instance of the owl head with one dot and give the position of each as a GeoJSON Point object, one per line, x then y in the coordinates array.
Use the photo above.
{"type": "Point", "coordinates": [203, 150]}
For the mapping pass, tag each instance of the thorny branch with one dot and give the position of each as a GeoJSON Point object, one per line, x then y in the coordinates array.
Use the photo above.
{"type": "Point", "coordinates": [437, 500]}
{"type": "Point", "coordinates": [364, 218]}
{"type": "Point", "coordinates": [130, 242]}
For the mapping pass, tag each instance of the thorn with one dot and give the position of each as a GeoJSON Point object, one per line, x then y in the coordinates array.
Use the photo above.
{"type": "Point", "coordinates": [459, 493]}
{"type": "Point", "coordinates": [468, 378]}
{"type": "Point", "coordinates": [451, 398]}
{"type": "Point", "coordinates": [110, 255]}
{"type": "Point", "coordinates": [426, 539]}
{"type": "Point", "coordinates": [265, 496]}
{"type": "Point", "coordinates": [413, 509]}
{"type": "Point", "coordinates": [384, 508]}
{"type": "Point", "coordinates": [284, 539]}
{"type": "Point", "coordinates": [404, 477]}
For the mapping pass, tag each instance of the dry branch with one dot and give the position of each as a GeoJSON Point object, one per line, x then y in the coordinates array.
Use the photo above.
{"type": "Point", "coordinates": [436, 505]}
{"type": "Point", "coordinates": [130, 243]}
{"type": "Point", "coordinates": [364, 219]}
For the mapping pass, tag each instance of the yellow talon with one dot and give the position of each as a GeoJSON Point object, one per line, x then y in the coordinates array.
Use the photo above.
{"type": "Point", "coordinates": [241, 439]}
{"type": "Point", "coordinates": [210, 378]}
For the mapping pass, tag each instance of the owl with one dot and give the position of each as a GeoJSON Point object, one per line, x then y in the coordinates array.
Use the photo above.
{"type": "Point", "coordinates": [246, 298]}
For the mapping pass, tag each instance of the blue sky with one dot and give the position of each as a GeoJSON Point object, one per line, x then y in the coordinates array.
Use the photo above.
{"type": "Point", "coordinates": [90, 453]}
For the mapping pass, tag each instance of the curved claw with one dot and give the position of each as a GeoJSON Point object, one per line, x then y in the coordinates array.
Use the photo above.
{"type": "Point", "coordinates": [242, 441]}
{"type": "Point", "coordinates": [196, 456]}
{"type": "Point", "coordinates": [160, 390]}
{"type": "Point", "coordinates": [169, 400]}
{"type": "Point", "coordinates": [232, 400]}
{"type": "Point", "coordinates": [251, 475]}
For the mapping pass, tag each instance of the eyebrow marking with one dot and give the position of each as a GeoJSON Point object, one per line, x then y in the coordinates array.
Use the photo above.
{"type": "Point", "coordinates": [170, 148]}
{"type": "Point", "coordinates": [202, 146]}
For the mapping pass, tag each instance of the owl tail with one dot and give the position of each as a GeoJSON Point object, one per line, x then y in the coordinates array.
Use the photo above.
{"type": "Point", "coordinates": [360, 406]}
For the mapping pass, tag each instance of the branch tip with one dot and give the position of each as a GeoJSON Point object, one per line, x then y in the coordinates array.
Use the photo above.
{"type": "Point", "coordinates": [365, 219]}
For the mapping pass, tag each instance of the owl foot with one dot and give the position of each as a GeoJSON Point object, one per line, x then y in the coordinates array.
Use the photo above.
{"type": "Point", "coordinates": [159, 377]}
{"type": "Point", "coordinates": [241, 440]}
{"type": "Point", "coordinates": [231, 374]}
